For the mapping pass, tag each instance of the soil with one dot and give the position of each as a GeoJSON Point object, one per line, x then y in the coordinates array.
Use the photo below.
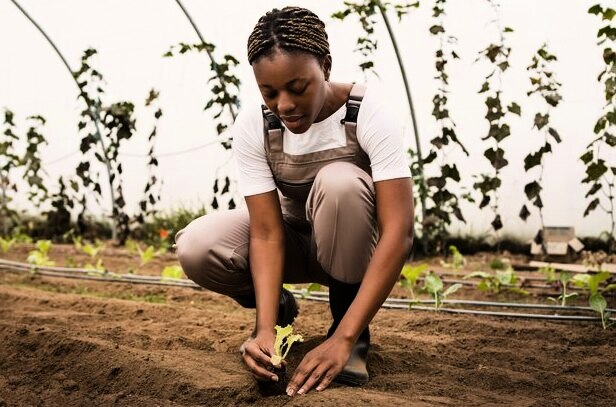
{"type": "Point", "coordinates": [82, 343]}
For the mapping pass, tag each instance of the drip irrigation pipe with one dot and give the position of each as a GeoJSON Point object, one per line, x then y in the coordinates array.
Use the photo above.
{"type": "Point", "coordinates": [485, 313]}
{"type": "Point", "coordinates": [390, 303]}
{"type": "Point", "coordinates": [407, 302]}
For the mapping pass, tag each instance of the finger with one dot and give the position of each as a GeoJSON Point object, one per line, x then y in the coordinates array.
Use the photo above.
{"type": "Point", "coordinates": [314, 378]}
{"type": "Point", "coordinates": [303, 371]}
{"type": "Point", "coordinates": [327, 379]}
{"type": "Point", "coordinates": [259, 372]}
{"type": "Point", "coordinates": [256, 353]}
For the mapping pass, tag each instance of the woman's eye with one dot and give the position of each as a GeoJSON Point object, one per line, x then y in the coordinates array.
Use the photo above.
{"type": "Point", "coordinates": [299, 91]}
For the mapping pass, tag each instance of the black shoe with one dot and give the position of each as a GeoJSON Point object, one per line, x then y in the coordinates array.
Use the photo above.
{"type": "Point", "coordinates": [355, 372]}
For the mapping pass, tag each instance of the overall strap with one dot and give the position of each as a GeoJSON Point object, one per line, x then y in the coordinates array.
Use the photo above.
{"type": "Point", "coordinates": [353, 104]}
{"type": "Point", "coordinates": [272, 129]}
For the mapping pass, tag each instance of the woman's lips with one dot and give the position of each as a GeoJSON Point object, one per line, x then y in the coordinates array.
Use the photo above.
{"type": "Point", "coordinates": [292, 122]}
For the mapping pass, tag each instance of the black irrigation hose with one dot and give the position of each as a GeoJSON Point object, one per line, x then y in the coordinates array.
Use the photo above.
{"type": "Point", "coordinates": [391, 303]}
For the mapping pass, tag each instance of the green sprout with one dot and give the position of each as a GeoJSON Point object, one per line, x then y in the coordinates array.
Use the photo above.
{"type": "Point", "coordinates": [501, 280]}
{"type": "Point", "coordinates": [174, 271]}
{"type": "Point", "coordinates": [563, 297]}
{"type": "Point", "coordinates": [39, 257]}
{"type": "Point", "coordinates": [6, 244]}
{"type": "Point", "coordinates": [458, 261]}
{"type": "Point", "coordinates": [284, 339]}
{"type": "Point", "coordinates": [549, 273]}
{"type": "Point", "coordinates": [434, 285]}
{"type": "Point", "coordinates": [410, 275]}
{"type": "Point", "coordinates": [93, 250]}
{"type": "Point", "coordinates": [98, 267]}
{"type": "Point", "coordinates": [498, 264]}
{"type": "Point", "coordinates": [599, 305]}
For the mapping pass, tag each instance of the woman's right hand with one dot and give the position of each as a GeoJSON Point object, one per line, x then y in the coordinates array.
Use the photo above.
{"type": "Point", "coordinates": [256, 356]}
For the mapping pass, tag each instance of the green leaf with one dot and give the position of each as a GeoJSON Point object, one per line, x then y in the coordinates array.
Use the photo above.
{"type": "Point", "coordinates": [541, 120]}
{"type": "Point", "coordinates": [435, 29]}
{"type": "Point", "coordinates": [515, 108]}
{"type": "Point", "coordinates": [595, 170]}
{"type": "Point", "coordinates": [554, 134]}
{"type": "Point", "coordinates": [174, 271]}
{"type": "Point", "coordinates": [411, 274]}
{"type": "Point", "coordinates": [452, 289]}
{"type": "Point", "coordinates": [587, 156]}
{"type": "Point", "coordinates": [597, 303]}
{"type": "Point", "coordinates": [532, 190]}
{"type": "Point", "coordinates": [596, 9]}
{"type": "Point", "coordinates": [432, 283]}
{"type": "Point", "coordinates": [591, 206]}
{"type": "Point", "coordinates": [475, 274]}
{"type": "Point", "coordinates": [596, 279]}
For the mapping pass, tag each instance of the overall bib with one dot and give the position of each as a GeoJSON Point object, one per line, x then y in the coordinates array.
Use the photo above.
{"type": "Point", "coordinates": [328, 205]}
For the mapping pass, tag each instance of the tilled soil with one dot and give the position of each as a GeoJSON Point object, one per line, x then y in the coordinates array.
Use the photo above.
{"type": "Point", "coordinates": [79, 343]}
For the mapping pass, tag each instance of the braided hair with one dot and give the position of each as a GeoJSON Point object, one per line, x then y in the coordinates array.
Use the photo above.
{"type": "Point", "coordinates": [290, 29]}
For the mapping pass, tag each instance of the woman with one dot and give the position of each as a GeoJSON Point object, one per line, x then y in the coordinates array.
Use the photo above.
{"type": "Point", "coordinates": [328, 195]}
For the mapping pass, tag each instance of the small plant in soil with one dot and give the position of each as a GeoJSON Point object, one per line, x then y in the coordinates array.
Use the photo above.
{"type": "Point", "coordinates": [410, 274]}
{"type": "Point", "coordinates": [564, 296]}
{"type": "Point", "coordinates": [599, 305]}
{"type": "Point", "coordinates": [434, 286]}
{"type": "Point", "coordinates": [40, 256]}
{"type": "Point", "coordinates": [501, 280]}
{"type": "Point", "coordinates": [282, 344]}
{"type": "Point", "coordinates": [549, 273]}
{"type": "Point", "coordinates": [6, 244]}
{"type": "Point", "coordinates": [174, 271]}
{"type": "Point", "coordinates": [458, 260]}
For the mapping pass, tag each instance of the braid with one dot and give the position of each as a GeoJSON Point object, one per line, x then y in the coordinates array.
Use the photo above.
{"type": "Point", "coordinates": [289, 29]}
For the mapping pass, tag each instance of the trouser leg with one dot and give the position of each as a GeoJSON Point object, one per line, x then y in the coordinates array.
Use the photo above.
{"type": "Point", "coordinates": [213, 251]}
{"type": "Point", "coordinates": [341, 209]}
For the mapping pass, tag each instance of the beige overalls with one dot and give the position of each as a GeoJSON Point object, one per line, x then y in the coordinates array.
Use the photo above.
{"type": "Point", "coordinates": [328, 205]}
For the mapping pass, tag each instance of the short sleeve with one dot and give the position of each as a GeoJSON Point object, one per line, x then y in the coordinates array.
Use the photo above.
{"type": "Point", "coordinates": [254, 174]}
{"type": "Point", "coordinates": [380, 134]}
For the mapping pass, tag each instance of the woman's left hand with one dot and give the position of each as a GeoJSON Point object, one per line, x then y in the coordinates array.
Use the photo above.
{"type": "Point", "coordinates": [320, 366]}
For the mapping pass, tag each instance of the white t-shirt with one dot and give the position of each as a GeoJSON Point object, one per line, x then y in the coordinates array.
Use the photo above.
{"type": "Point", "coordinates": [378, 132]}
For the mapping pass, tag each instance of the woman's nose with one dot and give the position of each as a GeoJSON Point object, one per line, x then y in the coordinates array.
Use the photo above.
{"type": "Point", "coordinates": [286, 104]}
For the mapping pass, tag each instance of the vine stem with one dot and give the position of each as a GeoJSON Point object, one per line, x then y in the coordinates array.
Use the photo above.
{"type": "Point", "coordinates": [409, 99]}
{"type": "Point", "coordinates": [95, 116]}
{"type": "Point", "coordinates": [209, 53]}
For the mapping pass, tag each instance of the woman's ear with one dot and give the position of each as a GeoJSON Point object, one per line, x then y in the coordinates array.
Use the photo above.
{"type": "Point", "coordinates": [326, 66]}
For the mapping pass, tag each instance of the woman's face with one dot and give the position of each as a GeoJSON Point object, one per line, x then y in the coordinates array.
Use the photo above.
{"type": "Point", "coordinates": [293, 86]}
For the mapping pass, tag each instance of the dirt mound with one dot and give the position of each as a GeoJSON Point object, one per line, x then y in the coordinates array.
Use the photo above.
{"type": "Point", "coordinates": [75, 343]}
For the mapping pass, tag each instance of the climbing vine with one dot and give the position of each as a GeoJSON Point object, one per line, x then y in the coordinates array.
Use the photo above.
{"type": "Point", "coordinates": [367, 12]}
{"type": "Point", "coordinates": [224, 90]}
{"type": "Point", "coordinates": [443, 203]}
{"type": "Point", "coordinates": [488, 184]}
{"type": "Point", "coordinates": [547, 88]}
{"type": "Point", "coordinates": [104, 129]}
{"type": "Point", "coordinates": [599, 155]}
{"type": "Point", "coordinates": [25, 165]}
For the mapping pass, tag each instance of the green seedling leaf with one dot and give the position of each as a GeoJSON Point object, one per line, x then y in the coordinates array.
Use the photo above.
{"type": "Point", "coordinates": [452, 289]}
{"type": "Point", "coordinates": [609, 288]}
{"type": "Point", "coordinates": [282, 344]}
{"type": "Point", "coordinates": [312, 287]}
{"type": "Point", "coordinates": [433, 283]}
{"type": "Point", "coordinates": [147, 255]}
{"type": "Point", "coordinates": [288, 286]}
{"type": "Point", "coordinates": [44, 246]}
{"type": "Point", "coordinates": [477, 274]}
{"type": "Point", "coordinates": [98, 267]}
{"type": "Point", "coordinates": [598, 303]}
{"type": "Point", "coordinates": [581, 280]}
{"type": "Point", "coordinates": [549, 273]}
{"type": "Point", "coordinates": [596, 280]}
{"type": "Point", "coordinates": [6, 244]}
{"type": "Point", "coordinates": [174, 271]}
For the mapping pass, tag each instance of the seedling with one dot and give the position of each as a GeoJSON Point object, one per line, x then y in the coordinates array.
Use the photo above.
{"type": "Point", "coordinates": [146, 255]}
{"type": "Point", "coordinates": [312, 287]}
{"type": "Point", "coordinates": [458, 261]}
{"type": "Point", "coordinates": [563, 297]}
{"type": "Point", "coordinates": [174, 271]}
{"type": "Point", "coordinates": [434, 285]}
{"type": "Point", "coordinates": [590, 282]}
{"type": "Point", "coordinates": [549, 273]}
{"type": "Point", "coordinates": [410, 275]}
{"type": "Point", "coordinates": [39, 257]}
{"type": "Point", "coordinates": [501, 280]}
{"type": "Point", "coordinates": [6, 244]}
{"type": "Point", "coordinates": [93, 250]}
{"type": "Point", "coordinates": [599, 305]}
{"type": "Point", "coordinates": [284, 339]}
{"type": "Point", "coordinates": [98, 267]}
